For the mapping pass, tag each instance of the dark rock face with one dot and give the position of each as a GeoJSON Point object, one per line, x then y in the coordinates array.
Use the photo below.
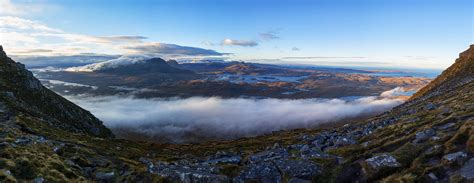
{"type": "Point", "coordinates": [21, 91]}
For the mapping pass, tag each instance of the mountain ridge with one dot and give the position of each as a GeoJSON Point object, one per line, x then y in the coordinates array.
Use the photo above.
{"type": "Point", "coordinates": [462, 69]}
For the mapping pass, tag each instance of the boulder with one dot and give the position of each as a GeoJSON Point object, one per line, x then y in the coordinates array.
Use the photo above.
{"type": "Point", "coordinates": [424, 135]}
{"type": "Point", "coordinates": [455, 157]}
{"type": "Point", "coordinates": [105, 176]}
{"type": "Point", "coordinates": [383, 161]}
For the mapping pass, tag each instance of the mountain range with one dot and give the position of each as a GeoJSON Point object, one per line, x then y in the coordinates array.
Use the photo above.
{"type": "Point", "coordinates": [430, 138]}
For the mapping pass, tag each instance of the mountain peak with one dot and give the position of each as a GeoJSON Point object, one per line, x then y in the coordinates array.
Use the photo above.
{"type": "Point", "coordinates": [468, 54]}
{"type": "Point", "coordinates": [2, 53]}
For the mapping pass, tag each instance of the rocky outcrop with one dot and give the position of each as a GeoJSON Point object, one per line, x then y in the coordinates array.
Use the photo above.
{"type": "Point", "coordinates": [23, 93]}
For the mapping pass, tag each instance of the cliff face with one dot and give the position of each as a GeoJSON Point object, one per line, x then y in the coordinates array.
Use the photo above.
{"type": "Point", "coordinates": [23, 93]}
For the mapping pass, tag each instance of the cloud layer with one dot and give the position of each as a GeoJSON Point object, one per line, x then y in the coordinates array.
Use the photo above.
{"type": "Point", "coordinates": [171, 49]}
{"type": "Point", "coordinates": [194, 119]}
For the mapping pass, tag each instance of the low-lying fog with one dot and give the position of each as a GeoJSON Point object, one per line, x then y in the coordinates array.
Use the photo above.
{"type": "Point", "coordinates": [198, 118]}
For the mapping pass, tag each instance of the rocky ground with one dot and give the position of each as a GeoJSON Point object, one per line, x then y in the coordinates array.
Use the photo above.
{"type": "Point", "coordinates": [428, 139]}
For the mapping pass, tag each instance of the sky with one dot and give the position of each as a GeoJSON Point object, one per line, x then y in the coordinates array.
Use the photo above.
{"type": "Point", "coordinates": [377, 33]}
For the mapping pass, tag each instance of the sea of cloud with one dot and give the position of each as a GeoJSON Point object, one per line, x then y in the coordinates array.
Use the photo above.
{"type": "Point", "coordinates": [194, 119]}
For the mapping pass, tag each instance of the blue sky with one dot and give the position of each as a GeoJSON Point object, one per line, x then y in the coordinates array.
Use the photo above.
{"type": "Point", "coordinates": [396, 33]}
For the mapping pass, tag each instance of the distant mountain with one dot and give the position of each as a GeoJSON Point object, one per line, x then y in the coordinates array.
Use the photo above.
{"type": "Point", "coordinates": [131, 66]}
{"type": "Point", "coordinates": [173, 63]}
{"type": "Point", "coordinates": [154, 65]}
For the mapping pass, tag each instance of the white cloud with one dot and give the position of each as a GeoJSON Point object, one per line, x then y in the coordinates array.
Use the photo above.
{"type": "Point", "coordinates": [270, 35]}
{"type": "Point", "coordinates": [295, 49]}
{"type": "Point", "coordinates": [169, 49]}
{"type": "Point", "coordinates": [8, 8]}
{"type": "Point", "coordinates": [16, 23]}
{"type": "Point", "coordinates": [21, 36]}
{"type": "Point", "coordinates": [179, 120]}
{"type": "Point", "coordinates": [16, 9]}
{"type": "Point", "coordinates": [114, 63]}
{"type": "Point", "coordinates": [233, 42]}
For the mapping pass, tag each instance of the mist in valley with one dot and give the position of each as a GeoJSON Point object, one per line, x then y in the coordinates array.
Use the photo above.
{"type": "Point", "coordinates": [196, 119]}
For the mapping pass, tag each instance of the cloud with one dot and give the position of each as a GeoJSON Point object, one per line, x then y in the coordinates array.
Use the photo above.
{"type": "Point", "coordinates": [9, 8]}
{"type": "Point", "coordinates": [208, 43]}
{"type": "Point", "coordinates": [270, 35]}
{"type": "Point", "coordinates": [123, 38]}
{"type": "Point", "coordinates": [61, 61]}
{"type": "Point", "coordinates": [26, 37]}
{"type": "Point", "coordinates": [103, 39]}
{"type": "Point", "coordinates": [16, 23]}
{"type": "Point", "coordinates": [244, 43]}
{"type": "Point", "coordinates": [32, 51]}
{"type": "Point", "coordinates": [295, 49]}
{"type": "Point", "coordinates": [397, 92]}
{"type": "Point", "coordinates": [184, 120]}
{"type": "Point", "coordinates": [170, 49]}
{"type": "Point", "coordinates": [113, 63]}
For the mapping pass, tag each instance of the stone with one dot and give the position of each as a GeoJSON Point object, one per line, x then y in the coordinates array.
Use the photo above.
{"type": "Point", "coordinates": [105, 176]}
{"type": "Point", "coordinates": [424, 135]}
{"type": "Point", "coordinates": [22, 141]}
{"type": "Point", "coordinates": [430, 106]}
{"type": "Point", "coordinates": [432, 176]}
{"type": "Point", "coordinates": [467, 170]}
{"type": "Point", "coordinates": [269, 155]}
{"type": "Point", "coordinates": [447, 126]}
{"type": "Point", "coordinates": [188, 173]}
{"type": "Point", "coordinates": [343, 141]}
{"type": "Point", "coordinates": [383, 161]}
{"type": "Point", "coordinates": [298, 169]}
{"type": "Point", "coordinates": [38, 180]}
{"type": "Point", "coordinates": [455, 157]}
{"type": "Point", "coordinates": [265, 172]}
{"type": "Point", "coordinates": [225, 160]}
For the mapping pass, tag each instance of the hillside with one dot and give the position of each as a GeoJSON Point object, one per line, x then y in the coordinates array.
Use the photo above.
{"type": "Point", "coordinates": [460, 72]}
{"type": "Point", "coordinates": [22, 93]}
{"type": "Point", "coordinates": [429, 139]}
